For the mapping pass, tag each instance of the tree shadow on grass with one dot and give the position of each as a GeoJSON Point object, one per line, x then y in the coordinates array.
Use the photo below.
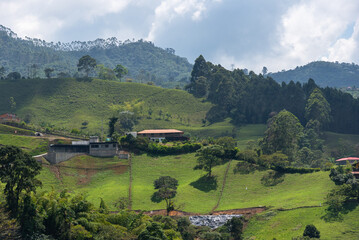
{"type": "Point", "coordinates": [205, 183]}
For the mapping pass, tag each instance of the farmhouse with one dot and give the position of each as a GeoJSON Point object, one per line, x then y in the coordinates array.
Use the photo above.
{"type": "Point", "coordinates": [354, 161]}
{"type": "Point", "coordinates": [343, 161]}
{"type": "Point", "coordinates": [9, 117]}
{"type": "Point", "coordinates": [63, 152]}
{"type": "Point", "coordinates": [355, 171]}
{"type": "Point", "coordinates": [159, 135]}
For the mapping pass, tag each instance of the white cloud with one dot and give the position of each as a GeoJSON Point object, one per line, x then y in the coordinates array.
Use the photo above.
{"type": "Point", "coordinates": [169, 10]}
{"type": "Point", "coordinates": [38, 18]}
{"type": "Point", "coordinates": [311, 30]}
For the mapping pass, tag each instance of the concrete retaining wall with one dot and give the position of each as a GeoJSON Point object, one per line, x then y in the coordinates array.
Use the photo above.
{"type": "Point", "coordinates": [57, 157]}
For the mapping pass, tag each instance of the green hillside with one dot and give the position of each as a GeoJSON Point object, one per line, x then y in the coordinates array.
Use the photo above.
{"type": "Point", "coordinates": [67, 103]}
{"type": "Point", "coordinates": [324, 73]}
{"type": "Point", "coordinates": [144, 60]}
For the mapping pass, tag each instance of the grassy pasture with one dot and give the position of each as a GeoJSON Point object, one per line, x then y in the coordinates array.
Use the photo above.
{"type": "Point", "coordinates": [287, 224]}
{"type": "Point", "coordinates": [67, 103]}
{"type": "Point", "coordinates": [296, 190]}
{"type": "Point", "coordinates": [5, 129]}
{"type": "Point", "coordinates": [32, 145]}
{"type": "Point", "coordinates": [106, 178]}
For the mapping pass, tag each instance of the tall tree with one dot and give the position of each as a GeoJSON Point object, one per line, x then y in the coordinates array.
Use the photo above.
{"type": "Point", "coordinates": [86, 64]}
{"type": "Point", "coordinates": [17, 171]}
{"type": "Point", "coordinates": [317, 108]}
{"type": "Point", "coordinates": [282, 134]}
{"type": "Point", "coordinates": [166, 190]}
{"type": "Point", "coordinates": [209, 157]}
{"type": "Point", "coordinates": [48, 72]}
{"type": "Point", "coordinates": [120, 71]}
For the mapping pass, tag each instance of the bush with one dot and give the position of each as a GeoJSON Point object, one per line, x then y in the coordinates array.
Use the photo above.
{"type": "Point", "coordinates": [311, 231]}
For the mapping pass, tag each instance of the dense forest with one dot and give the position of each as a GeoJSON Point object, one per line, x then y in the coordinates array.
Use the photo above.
{"type": "Point", "coordinates": [254, 98]}
{"type": "Point", "coordinates": [325, 74]}
{"type": "Point", "coordinates": [145, 62]}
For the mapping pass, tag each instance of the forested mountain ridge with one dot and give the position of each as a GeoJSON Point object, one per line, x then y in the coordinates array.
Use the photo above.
{"type": "Point", "coordinates": [331, 74]}
{"type": "Point", "coordinates": [252, 98]}
{"type": "Point", "coordinates": [145, 62]}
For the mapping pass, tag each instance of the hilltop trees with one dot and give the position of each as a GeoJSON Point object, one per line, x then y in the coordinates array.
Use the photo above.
{"type": "Point", "coordinates": [13, 76]}
{"type": "Point", "coordinates": [48, 72]}
{"type": "Point", "coordinates": [120, 71]}
{"type": "Point", "coordinates": [86, 64]}
{"type": "Point", "coordinates": [18, 171]}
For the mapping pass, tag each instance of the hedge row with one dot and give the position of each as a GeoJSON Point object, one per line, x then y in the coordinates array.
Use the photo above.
{"type": "Point", "coordinates": [295, 170]}
{"type": "Point", "coordinates": [159, 149]}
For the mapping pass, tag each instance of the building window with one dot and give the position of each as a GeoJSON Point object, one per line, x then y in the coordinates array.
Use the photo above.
{"type": "Point", "coordinates": [95, 146]}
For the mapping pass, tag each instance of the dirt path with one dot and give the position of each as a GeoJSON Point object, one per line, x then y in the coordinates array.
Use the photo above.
{"type": "Point", "coordinates": [130, 185]}
{"type": "Point", "coordinates": [245, 211]}
{"type": "Point", "coordinates": [223, 185]}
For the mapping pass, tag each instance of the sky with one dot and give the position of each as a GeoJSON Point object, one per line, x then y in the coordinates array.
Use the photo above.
{"type": "Point", "coordinates": [278, 34]}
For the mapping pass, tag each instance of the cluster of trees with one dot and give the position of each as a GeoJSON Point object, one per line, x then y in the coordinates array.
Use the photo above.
{"type": "Point", "coordinates": [252, 98]}
{"type": "Point", "coordinates": [86, 66]}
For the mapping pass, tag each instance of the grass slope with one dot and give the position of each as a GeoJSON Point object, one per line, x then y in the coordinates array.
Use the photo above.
{"type": "Point", "coordinates": [192, 194]}
{"type": "Point", "coordinates": [296, 190]}
{"type": "Point", "coordinates": [32, 145]}
{"type": "Point", "coordinates": [14, 130]}
{"type": "Point", "coordinates": [289, 224]}
{"type": "Point", "coordinates": [97, 178]}
{"type": "Point", "coordinates": [68, 102]}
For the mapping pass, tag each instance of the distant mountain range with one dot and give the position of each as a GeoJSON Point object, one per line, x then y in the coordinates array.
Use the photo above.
{"type": "Point", "coordinates": [143, 59]}
{"type": "Point", "coordinates": [324, 74]}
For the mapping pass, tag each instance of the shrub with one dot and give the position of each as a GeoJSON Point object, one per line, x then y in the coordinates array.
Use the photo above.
{"type": "Point", "coordinates": [311, 231]}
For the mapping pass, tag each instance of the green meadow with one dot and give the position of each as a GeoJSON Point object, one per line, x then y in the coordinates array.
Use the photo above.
{"type": "Point", "coordinates": [67, 103]}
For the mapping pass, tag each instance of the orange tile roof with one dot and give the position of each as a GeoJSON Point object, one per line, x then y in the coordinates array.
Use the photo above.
{"type": "Point", "coordinates": [347, 159]}
{"type": "Point", "coordinates": [160, 131]}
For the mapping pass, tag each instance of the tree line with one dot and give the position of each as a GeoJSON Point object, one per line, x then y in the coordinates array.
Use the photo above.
{"type": "Point", "coordinates": [252, 98]}
{"type": "Point", "coordinates": [86, 66]}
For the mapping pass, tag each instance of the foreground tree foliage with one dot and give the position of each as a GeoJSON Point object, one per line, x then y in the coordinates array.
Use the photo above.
{"type": "Point", "coordinates": [17, 171]}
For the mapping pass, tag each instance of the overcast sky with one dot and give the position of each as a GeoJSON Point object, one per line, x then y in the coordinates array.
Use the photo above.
{"type": "Point", "coordinates": [278, 34]}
